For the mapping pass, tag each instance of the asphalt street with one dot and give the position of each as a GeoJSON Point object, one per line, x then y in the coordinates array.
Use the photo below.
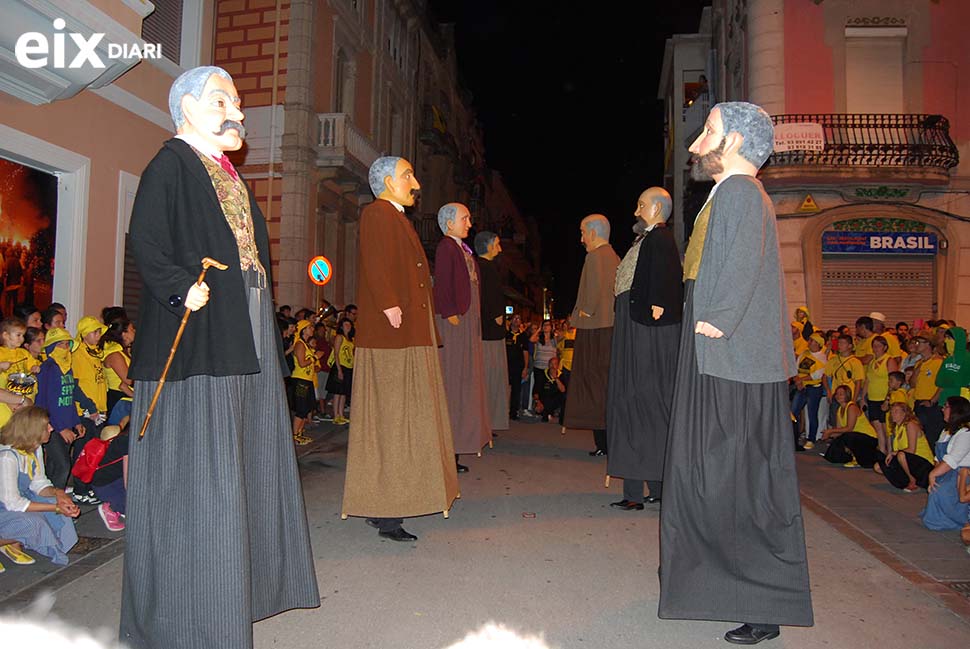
{"type": "Point", "coordinates": [534, 545]}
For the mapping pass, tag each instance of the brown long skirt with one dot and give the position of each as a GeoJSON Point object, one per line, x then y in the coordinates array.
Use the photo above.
{"type": "Point", "coordinates": [463, 367]}
{"type": "Point", "coordinates": [400, 455]}
{"type": "Point", "coordinates": [586, 393]}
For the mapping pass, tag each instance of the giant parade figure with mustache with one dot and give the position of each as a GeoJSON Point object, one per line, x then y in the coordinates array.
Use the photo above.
{"type": "Point", "coordinates": [216, 532]}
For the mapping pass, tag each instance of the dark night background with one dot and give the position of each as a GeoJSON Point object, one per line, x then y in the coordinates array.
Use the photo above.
{"type": "Point", "coordinates": [567, 96]}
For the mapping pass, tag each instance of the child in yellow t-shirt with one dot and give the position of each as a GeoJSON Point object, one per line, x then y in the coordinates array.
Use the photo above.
{"type": "Point", "coordinates": [14, 359]}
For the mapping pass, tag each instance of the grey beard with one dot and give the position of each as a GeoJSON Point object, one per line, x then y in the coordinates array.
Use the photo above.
{"type": "Point", "coordinates": [639, 228]}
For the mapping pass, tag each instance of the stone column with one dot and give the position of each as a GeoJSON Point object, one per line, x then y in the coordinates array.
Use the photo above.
{"type": "Point", "coordinates": [766, 54]}
{"type": "Point", "coordinates": [298, 155]}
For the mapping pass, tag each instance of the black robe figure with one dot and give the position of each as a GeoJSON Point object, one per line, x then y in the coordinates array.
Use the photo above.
{"type": "Point", "coordinates": [643, 364]}
{"type": "Point", "coordinates": [217, 535]}
{"type": "Point", "coordinates": [732, 544]}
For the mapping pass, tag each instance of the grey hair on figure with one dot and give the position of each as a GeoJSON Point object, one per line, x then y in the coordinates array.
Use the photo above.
{"type": "Point", "coordinates": [483, 240]}
{"type": "Point", "coordinates": [598, 224]}
{"type": "Point", "coordinates": [379, 170]}
{"type": "Point", "coordinates": [447, 214]}
{"type": "Point", "coordinates": [663, 198]}
{"type": "Point", "coordinates": [191, 82]}
{"type": "Point", "coordinates": [754, 125]}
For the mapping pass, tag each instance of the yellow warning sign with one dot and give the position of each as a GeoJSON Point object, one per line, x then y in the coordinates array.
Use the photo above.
{"type": "Point", "coordinates": [809, 204]}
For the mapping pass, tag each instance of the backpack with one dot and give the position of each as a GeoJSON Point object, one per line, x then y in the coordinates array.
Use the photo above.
{"type": "Point", "coordinates": [90, 458]}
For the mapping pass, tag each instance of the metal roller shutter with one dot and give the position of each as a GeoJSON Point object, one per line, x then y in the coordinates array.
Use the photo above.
{"type": "Point", "coordinates": [903, 288]}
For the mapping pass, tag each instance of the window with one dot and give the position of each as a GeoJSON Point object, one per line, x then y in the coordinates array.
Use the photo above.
{"type": "Point", "coordinates": [177, 25]}
{"type": "Point", "coordinates": [164, 25]}
{"type": "Point", "coordinates": [874, 69]}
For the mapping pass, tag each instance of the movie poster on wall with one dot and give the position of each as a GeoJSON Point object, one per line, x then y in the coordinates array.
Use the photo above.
{"type": "Point", "coordinates": [28, 223]}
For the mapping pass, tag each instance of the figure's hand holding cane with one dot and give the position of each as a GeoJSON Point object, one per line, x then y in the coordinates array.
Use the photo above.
{"type": "Point", "coordinates": [656, 311]}
{"type": "Point", "coordinates": [197, 296]}
{"type": "Point", "coordinates": [394, 316]}
{"type": "Point", "coordinates": [453, 319]}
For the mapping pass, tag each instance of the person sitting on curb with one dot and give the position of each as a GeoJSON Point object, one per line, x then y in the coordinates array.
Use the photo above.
{"type": "Point", "coordinates": [33, 511]}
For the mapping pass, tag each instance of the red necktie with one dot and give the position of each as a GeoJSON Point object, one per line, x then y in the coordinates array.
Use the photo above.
{"type": "Point", "coordinates": [226, 164]}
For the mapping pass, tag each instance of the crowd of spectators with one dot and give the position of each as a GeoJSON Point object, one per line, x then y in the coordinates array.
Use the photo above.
{"type": "Point", "coordinates": [891, 399]}
{"type": "Point", "coordinates": [319, 350]}
{"type": "Point", "coordinates": [65, 404]}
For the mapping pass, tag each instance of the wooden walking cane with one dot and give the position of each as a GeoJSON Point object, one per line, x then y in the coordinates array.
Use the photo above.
{"type": "Point", "coordinates": [207, 263]}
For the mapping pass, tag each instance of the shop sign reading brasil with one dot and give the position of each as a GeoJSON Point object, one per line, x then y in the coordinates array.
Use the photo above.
{"type": "Point", "coordinates": [910, 243]}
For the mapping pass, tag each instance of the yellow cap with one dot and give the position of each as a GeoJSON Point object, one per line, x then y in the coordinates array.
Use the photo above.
{"type": "Point", "coordinates": [817, 337]}
{"type": "Point", "coordinates": [58, 335]}
{"type": "Point", "coordinates": [87, 324]}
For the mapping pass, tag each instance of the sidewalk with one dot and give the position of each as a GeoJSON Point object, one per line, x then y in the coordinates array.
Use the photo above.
{"type": "Point", "coordinates": [885, 522]}
{"type": "Point", "coordinates": [19, 585]}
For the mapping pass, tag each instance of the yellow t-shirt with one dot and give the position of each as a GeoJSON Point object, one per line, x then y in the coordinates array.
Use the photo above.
{"type": "Point", "coordinates": [878, 374]}
{"type": "Point", "coordinates": [901, 443]}
{"type": "Point", "coordinates": [566, 345]}
{"type": "Point", "coordinates": [924, 378]}
{"type": "Point", "coordinates": [845, 371]}
{"type": "Point", "coordinates": [862, 423]}
{"type": "Point", "coordinates": [308, 373]}
{"type": "Point", "coordinates": [346, 355]}
{"type": "Point", "coordinates": [20, 361]}
{"type": "Point", "coordinates": [808, 364]}
{"type": "Point", "coordinates": [863, 348]}
{"type": "Point", "coordinates": [87, 364]}
{"type": "Point", "coordinates": [114, 381]}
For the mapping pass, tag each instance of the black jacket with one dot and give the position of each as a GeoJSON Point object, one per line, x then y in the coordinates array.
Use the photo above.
{"type": "Point", "coordinates": [492, 299]}
{"type": "Point", "coordinates": [175, 222]}
{"type": "Point", "coordinates": [658, 280]}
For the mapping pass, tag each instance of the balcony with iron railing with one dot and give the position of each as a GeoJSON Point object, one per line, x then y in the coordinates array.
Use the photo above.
{"type": "Point", "coordinates": [343, 146]}
{"type": "Point", "coordinates": [908, 148]}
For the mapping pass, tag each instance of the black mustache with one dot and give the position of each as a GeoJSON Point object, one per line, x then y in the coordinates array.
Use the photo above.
{"type": "Point", "coordinates": [228, 124]}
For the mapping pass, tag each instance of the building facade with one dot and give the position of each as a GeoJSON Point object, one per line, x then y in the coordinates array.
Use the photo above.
{"type": "Point", "coordinates": [869, 177]}
{"type": "Point", "coordinates": [81, 128]}
{"type": "Point", "coordinates": [326, 85]}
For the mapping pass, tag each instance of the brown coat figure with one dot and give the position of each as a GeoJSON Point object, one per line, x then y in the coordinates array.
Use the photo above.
{"type": "Point", "coordinates": [593, 319]}
{"type": "Point", "coordinates": [400, 455]}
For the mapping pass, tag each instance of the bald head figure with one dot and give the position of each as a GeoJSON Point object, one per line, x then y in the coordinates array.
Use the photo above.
{"type": "Point", "coordinates": [654, 206]}
{"type": "Point", "coordinates": [595, 231]}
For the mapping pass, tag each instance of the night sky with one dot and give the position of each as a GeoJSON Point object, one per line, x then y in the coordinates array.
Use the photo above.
{"type": "Point", "coordinates": [567, 97]}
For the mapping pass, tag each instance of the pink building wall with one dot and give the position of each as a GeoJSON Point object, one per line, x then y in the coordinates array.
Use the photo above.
{"type": "Point", "coordinates": [809, 77]}
{"type": "Point", "coordinates": [946, 67]}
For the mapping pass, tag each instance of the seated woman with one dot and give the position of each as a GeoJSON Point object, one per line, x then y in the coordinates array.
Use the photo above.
{"type": "Point", "coordinates": [944, 511]}
{"type": "Point", "coordinates": [853, 440]}
{"type": "Point", "coordinates": [116, 344]}
{"type": "Point", "coordinates": [909, 464]}
{"type": "Point", "coordinates": [32, 511]}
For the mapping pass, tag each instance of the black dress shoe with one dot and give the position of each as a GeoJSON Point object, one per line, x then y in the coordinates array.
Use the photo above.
{"type": "Point", "coordinates": [650, 500]}
{"type": "Point", "coordinates": [461, 468]}
{"type": "Point", "coordinates": [398, 535]}
{"type": "Point", "coordinates": [627, 505]}
{"type": "Point", "coordinates": [597, 453]}
{"type": "Point", "coordinates": [747, 634]}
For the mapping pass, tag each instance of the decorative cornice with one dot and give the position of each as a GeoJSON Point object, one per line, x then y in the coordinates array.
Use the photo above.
{"type": "Point", "coordinates": [876, 21]}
